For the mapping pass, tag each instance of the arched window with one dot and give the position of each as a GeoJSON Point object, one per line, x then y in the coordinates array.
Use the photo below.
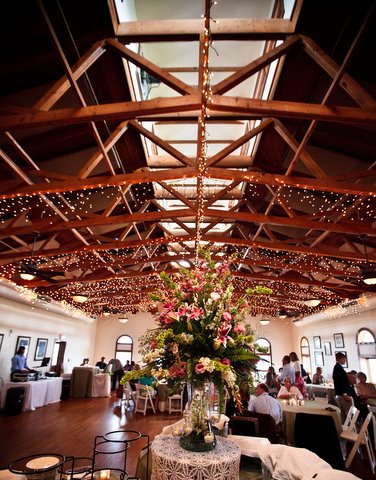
{"type": "Point", "coordinates": [367, 353]}
{"type": "Point", "coordinates": [305, 355]}
{"type": "Point", "coordinates": [124, 349]}
{"type": "Point", "coordinates": [266, 358]}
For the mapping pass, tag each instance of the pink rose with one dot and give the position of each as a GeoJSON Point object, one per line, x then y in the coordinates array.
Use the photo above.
{"type": "Point", "coordinates": [200, 368]}
{"type": "Point", "coordinates": [226, 361]}
{"type": "Point", "coordinates": [227, 316]}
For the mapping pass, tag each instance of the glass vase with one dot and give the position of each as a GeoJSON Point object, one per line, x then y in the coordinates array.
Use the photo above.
{"type": "Point", "coordinates": [197, 433]}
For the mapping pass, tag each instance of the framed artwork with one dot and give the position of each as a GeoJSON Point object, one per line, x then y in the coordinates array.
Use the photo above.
{"type": "Point", "coordinates": [345, 365]}
{"type": "Point", "coordinates": [338, 340]}
{"type": "Point", "coordinates": [327, 348]}
{"type": "Point", "coordinates": [1, 339]}
{"type": "Point", "coordinates": [319, 359]}
{"type": "Point", "coordinates": [317, 343]}
{"type": "Point", "coordinates": [41, 349]}
{"type": "Point", "coordinates": [23, 342]}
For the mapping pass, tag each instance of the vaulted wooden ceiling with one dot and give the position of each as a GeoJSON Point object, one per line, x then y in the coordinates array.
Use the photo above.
{"type": "Point", "coordinates": [126, 145]}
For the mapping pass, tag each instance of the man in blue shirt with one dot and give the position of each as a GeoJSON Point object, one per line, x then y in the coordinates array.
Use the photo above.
{"type": "Point", "coordinates": [19, 364]}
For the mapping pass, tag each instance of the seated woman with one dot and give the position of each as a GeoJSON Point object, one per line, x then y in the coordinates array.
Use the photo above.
{"type": "Point", "coordinates": [318, 377]}
{"type": "Point", "coordinates": [288, 391]}
{"type": "Point", "coordinates": [365, 390]}
{"type": "Point", "coordinates": [271, 378]}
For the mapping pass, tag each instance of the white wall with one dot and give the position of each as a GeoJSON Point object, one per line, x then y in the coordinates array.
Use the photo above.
{"type": "Point", "coordinates": [348, 324]}
{"type": "Point", "coordinates": [18, 319]}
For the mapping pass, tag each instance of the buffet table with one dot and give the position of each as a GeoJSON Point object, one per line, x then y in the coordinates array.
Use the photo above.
{"type": "Point", "coordinates": [82, 381]}
{"type": "Point", "coordinates": [317, 408]}
{"type": "Point", "coordinates": [37, 394]}
{"type": "Point", "coordinates": [169, 460]}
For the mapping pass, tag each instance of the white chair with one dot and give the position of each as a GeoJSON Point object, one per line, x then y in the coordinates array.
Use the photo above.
{"type": "Point", "coordinates": [359, 439]}
{"type": "Point", "coordinates": [351, 419]}
{"type": "Point", "coordinates": [144, 399]}
{"type": "Point", "coordinates": [175, 403]}
{"type": "Point", "coordinates": [372, 409]}
{"type": "Point", "coordinates": [129, 395]}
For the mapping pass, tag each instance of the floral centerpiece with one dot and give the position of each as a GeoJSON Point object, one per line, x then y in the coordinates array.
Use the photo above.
{"type": "Point", "coordinates": [201, 335]}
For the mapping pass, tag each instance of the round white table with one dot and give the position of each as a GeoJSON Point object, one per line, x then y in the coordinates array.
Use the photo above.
{"type": "Point", "coordinates": [169, 460]}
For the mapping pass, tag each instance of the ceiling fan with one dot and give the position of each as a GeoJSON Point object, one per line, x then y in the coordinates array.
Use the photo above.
{"type": "Point", "coordinates": [29, 270]}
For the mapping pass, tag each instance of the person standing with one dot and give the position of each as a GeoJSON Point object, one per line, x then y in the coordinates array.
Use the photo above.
{"type": "Point", "coordinates": [19, 363]}
{"type": "Point", "coordinates": [287, 371]}
{"type": "Point", "coordinates": [342, 385]}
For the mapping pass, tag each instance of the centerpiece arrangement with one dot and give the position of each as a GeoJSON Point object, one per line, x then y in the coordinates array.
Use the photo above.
{"type": "Point", "coordinates": [201, 339]}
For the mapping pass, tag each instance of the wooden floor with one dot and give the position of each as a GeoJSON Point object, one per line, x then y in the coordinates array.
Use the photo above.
{"type": "Point", "coordinates": [70, 426]}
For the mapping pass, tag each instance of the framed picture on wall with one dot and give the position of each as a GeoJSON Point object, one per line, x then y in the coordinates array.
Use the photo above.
{"type": "Point", "coordinates": [327, 348]}
{"type": "Point", "coordinates": [317, 343]}
{"type": "Point", "coordinates": [345, 365]}
{"type": "Point", "coordinates": [1, 339]}
{"type": "Point", "coordinates": [338, 340]}
{"type": "Point", "coordinates": [41, 349]}
{"type": "Point", "coordinates": [319, 359]}
{"type": "Point", "coordinates": [23, 342]}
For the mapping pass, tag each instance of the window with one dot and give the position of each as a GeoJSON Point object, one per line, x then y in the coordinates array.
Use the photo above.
{"type": "Point", "coordinates": [305, 355]}
{"type": "Point", "coordinates": [124, 349]}
{"type": "Point", "coordinates": [266, 358]}
{"type": "Point", "coordinates": [367, 353]}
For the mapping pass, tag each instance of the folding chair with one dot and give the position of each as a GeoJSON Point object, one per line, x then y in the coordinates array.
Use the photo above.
{"type": "Point", "coordinates": [175, 403]}
{"type": "Point", "coordinates": [129, 395]}
{"type": "Point", "coordinates": [359, 439]}
{"type": "Point", "coordinates": [372, 409]}
{"type": "Point", "coordinates": [144, 399]}
{"type": "Point", "coordinates": [351, 419]}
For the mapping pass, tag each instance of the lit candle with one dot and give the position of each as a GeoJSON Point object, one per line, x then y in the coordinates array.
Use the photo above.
{"type": "Point", "coordinates": [176, 431]}
{"type": "Point", "coordinates": [104, 474]}
{"type": "Point", "coordinates": [209, 438]}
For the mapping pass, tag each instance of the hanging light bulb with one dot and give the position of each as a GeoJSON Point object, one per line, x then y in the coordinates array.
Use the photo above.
{"type": "Point", "coordinates": [80, 298]}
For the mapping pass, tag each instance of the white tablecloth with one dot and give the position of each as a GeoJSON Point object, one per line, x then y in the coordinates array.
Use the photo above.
{"type": "Point", "coordinates": [169, 461]}
{"type": "Point", "coordinates": [101, 385]}
{"type": "Point", "coordinates": [37, 394]}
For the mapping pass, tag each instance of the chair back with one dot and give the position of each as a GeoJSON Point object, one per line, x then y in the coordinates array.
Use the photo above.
{"type": "Point", "coordinates": [372, 409]}
{"type": "Point", "coordinates": [318, 433]}
{"type": "Point", "coordinates": [267, 426]}
{"type": "Point", "coordinates": [351, 419]}
{"type": "Point", "coordinates": [246, 426]}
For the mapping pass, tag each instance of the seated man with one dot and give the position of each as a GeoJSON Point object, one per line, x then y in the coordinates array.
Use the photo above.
{"type": "Point", "coordinates": [289, 391]}
{"type": "Point", "coordinates": [264, 403]}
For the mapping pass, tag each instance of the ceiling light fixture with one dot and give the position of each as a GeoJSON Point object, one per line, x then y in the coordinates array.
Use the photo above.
{"type": "Point", "coordinates": [106, 312]}
{"type": "Point", "coordinates": [123, 319]}
{"type": "Point", "coordinates": [264, 321]}
{"type": "Point", "coordinates": [312, 302]}
{"type": "Point", "coordinates": [368, 275]}
{"type": "Point", "coordinates": [282, 314]}
{"type": "Point", "coordinates": [27, 276]}
{"type": "Point", "coordinates": [80, 298]}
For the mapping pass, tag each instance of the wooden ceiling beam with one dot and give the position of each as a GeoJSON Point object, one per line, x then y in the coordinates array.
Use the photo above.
{"type": "Point", "coordinates": [145, 176]}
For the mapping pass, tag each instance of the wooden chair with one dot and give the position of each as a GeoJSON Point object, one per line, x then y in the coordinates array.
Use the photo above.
{"type": "Point", "coordinates": [247, 426]}
{"type": "Point", "coordinates": [144, 400]}
{"type": "Point", "coordinates": [360, 439]}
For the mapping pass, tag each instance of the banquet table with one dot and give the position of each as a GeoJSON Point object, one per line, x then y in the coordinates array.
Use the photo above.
{"type": "Point", "coordinates": [82, 381]}
{"type": "Point", "coordinates": [316, 408]}
{"type": "Point", "coordinates": [322, 390]}
{"type": "Point", "coordinates": [169, 460]}
{"type": "Point", "coordinates": [37, 394]}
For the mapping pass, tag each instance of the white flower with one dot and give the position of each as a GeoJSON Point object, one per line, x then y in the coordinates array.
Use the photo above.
{"type": "Point", "coordinates": [229, 377]}
{"type": "Point", "coordinates": [215, 296]}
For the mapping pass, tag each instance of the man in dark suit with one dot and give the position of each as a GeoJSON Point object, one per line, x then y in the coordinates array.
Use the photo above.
{"type": "Point", "coordinates": [344, 388]}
